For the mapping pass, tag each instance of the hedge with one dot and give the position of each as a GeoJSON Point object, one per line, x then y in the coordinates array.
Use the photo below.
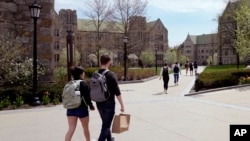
{"type": "Point", "coordinates": [209, 80]}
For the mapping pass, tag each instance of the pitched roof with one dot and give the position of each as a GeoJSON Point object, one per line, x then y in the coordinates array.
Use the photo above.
{"type": "Point", "coordinates": [193, 38]}
{"type": "Point", "coordinates": [88, 25]}
{"type": "Point", "coordinates": [206, 39]}
{"type": "Point", "coordinates": [150, 25]}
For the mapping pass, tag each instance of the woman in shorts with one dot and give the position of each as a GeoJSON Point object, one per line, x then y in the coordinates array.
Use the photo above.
{"type": "Point", "coordinates": [81, 112]}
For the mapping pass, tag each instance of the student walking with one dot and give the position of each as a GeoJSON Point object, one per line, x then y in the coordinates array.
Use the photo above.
{"type": "Point", "coordinates": [165, 75]}
{"type": "Point", "coordinates": [191, 68]}
{"type": "Point", "coordinates": [107, 108]}
{"type": "Point", "coordinates": [186, 67]}
{"type": "Point", "coordinates": [176, 71]}
{"type": "Point", "coordinates": [80, 112]}
{"type": "Point", "coordinates": [195, 67]}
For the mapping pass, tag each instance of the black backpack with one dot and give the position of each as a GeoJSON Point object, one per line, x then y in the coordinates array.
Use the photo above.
{"type": "Point", "coordinates": [176, 69]}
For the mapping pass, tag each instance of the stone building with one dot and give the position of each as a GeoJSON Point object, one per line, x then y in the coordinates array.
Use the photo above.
{"type": "Point", "coordinates": [15, 17]}
{"type": "Point", "coordinates": [226, 35]}
{"type": "Point", "coordinates": [52, 30]}
{"type": "Point", "coordinates": [199, 48]}
{"type": "Point", "coordinates": [141, 36]}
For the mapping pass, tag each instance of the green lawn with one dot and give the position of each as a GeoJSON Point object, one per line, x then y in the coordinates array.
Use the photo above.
{"type": "Point", "coordinates": [223, 68]}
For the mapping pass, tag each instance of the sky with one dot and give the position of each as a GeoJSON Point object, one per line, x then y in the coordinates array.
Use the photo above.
{"type": "Point", "coordinates": [180, 17]}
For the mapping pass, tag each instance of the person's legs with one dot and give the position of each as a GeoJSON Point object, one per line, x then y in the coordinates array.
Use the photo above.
{"type": "Point", "coordinates": [107, 112]}
{"type": "Point", "coordinates": [85, 126]}
{"type": "Point", "coordinates": [175, 78]}
{"type": "Point", "coordinates": [165, 83]}
{"type": "Point", "coordinates": [72, 122]}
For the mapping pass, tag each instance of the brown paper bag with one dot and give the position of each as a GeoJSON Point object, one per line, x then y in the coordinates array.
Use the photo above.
{"type": "Point", "coordinates": [121, 123]}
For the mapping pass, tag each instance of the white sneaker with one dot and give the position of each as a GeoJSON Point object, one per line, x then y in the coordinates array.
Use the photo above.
{"type": "Point", "coordinates": [93, 139]}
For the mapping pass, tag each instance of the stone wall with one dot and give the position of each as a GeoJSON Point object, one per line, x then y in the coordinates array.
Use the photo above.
{"type": "Point", "coordinates": [15, 17]}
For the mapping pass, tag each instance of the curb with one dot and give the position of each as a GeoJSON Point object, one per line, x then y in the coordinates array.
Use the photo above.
{"type": "Point", "coordinates": [217, 89]}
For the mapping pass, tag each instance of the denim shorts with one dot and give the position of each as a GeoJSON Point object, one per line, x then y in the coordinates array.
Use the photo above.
{"type": "Point", "coordinates": [78, 112]}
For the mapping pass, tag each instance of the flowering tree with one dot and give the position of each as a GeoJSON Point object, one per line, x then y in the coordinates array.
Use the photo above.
{"type": "Point", "coordinates": [14, 68]}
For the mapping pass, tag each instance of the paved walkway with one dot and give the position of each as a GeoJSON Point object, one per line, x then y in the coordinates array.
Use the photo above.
{"type": "Point", "coordinates": [154, 115]}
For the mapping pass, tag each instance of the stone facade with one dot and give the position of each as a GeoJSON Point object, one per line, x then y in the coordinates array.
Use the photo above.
{"type": "Point", "coordinates": [199, 48]}
{"type": "Point", "coordinates": [52, 30]}
{"type": "Point", "coordinates": [15, 17]}
{"type": "Point", "coordinates": [141, 36]}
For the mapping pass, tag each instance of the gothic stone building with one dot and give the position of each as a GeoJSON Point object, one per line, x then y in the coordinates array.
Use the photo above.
{"type": "Point", "coordinates": [141, 36]}
{"type": "Point", "coordinates": [199, 48]}
{"type": "Point", "coordinates": [52, 30]}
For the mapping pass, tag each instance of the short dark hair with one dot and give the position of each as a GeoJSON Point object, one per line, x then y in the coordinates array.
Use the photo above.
{"type": "Point", "coordinates": [76, 72]}
{"type": "Point", "coordinates": [105, 59]}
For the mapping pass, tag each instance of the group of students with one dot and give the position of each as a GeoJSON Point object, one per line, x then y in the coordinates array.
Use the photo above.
{"type": "Point", "coordinates": [176, 71]}
{"type": "Point", "coordinates": [165, 75]}
{"type": "Point", "coordinates": [106, 109]}
{"type": "Point", "coordinates": [192, 67]}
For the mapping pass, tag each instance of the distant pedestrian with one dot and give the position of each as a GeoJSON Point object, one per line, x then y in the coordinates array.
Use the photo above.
{"type": "Point", "coordinates": [165, 75]}
{"type": "Point", "coordinates": [80, 112]}
{"type": "Point", "coordinates": [176, 71]}
{"type": "Point", "coordinates": [191, 68]}
{"type": "Point", "coordinates": [186, 67]}
{"type": "Point", "coordinates": [195, 67]}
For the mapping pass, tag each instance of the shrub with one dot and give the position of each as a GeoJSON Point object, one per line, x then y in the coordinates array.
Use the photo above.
{"type": "Point", "coordinates": [208, 80]}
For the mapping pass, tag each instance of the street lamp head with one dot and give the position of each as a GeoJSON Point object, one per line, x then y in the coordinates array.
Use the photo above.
{"type": "Point", "coordinates": [35, 10]}
{"type": "Point", "coordinates": [125, 39]}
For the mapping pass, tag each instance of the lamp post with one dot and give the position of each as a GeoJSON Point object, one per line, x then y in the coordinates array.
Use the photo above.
{"type": "Point", "coordinates": [35, 12]}
{"type": "Point", "coordinates": [156, 60]}
{"type": "Point", "coordinates": [125, 41]}
{"type": "Point", "coordinates": [70, 52]}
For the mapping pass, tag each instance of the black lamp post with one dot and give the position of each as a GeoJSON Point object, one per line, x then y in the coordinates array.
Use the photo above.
{"type": "Point", "coordinates": [156, 60]}
{"type": "Point", "coordinates": [35, 11]}
{"type": "Point", "coordinates": [70, 52]}
{"type": "Point", "coordinates": [125, 41]}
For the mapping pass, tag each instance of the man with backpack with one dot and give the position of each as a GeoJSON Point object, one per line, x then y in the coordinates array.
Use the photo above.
{"type": "Point", "coordinates": [165, 74]}
{"type": "Point", "coordinates": [176, 71]}
{"type": "Point", "coordinates": [106, 107]}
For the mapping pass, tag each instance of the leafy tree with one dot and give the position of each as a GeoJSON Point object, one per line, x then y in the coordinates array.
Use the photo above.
{"type": "Point", "coordinates": [242, 17]}
{"type": "Point", "coordinates": [147, 57]}
{"type": "Point", "coordinates": [170, 57]}
{"type": "Point", "coordinates": [14, 68]}
{"type": "Point", "coordinates": [63, 58]}
{"type": "Point", "coordinates": [10, 52]}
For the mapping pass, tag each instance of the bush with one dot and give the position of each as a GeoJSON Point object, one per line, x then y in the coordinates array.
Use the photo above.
{"type": "Point", "coordinates": [208, 80]}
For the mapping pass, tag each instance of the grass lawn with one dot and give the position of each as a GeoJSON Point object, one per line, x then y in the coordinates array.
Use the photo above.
{"type": "Point", "coordinates": [223, 68]}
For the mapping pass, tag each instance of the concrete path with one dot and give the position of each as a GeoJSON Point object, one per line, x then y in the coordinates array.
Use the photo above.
{"type": "Point", "coordinates": [155, 116]}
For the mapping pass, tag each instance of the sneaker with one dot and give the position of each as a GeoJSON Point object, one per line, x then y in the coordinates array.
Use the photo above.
{"type": "Point", "coordinates": [112, 139]}
{"type": "Point", "coordinates": [166, 92]}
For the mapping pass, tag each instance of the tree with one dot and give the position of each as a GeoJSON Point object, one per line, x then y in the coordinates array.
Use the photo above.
{"type": "Point", "coordinates": [125, 9]}
{"type": "Point", "coordinates": [63, 58]}
{"type": "Point", "coordinates": [170, 57]}
{"type": "Point", "coordinates": [147, 57]}
{"type": "Point", "coordinates": [98, 11]}
{"type": "Point", "coordinates": [242, 17]}
{"type": "Point", "coordinates": [15, 69]}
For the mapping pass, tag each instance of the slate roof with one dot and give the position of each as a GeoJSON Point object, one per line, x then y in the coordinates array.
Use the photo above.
{"type": "Point", "coordinates": [88, 25]}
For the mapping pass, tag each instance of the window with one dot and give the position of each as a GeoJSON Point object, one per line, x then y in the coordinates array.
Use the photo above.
{"type": "Point", "coordinates": [158, 37]}
{"type": "Point", "coordinates": [56, 57]}
{"type": "Point", "coordinates": [57, 45]}
{"type": "Point", "coordinates": [57, 32]}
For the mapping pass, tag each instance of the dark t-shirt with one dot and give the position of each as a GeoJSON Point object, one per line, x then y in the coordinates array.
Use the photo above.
{"type": "Point", "coordinates": [112, 84]}
{"type": "Point", "coordinates": [84, 89]}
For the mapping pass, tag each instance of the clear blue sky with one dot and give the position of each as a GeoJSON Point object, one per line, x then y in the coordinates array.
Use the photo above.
{"type": "Point", "coordinates": [180, 17]}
